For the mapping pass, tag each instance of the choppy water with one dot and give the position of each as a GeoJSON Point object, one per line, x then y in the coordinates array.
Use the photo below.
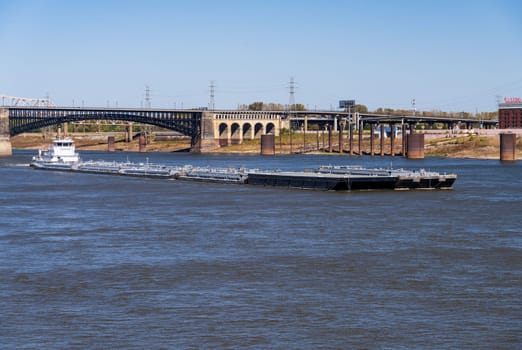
{"type": "Point", "coordinates": [98, 262]}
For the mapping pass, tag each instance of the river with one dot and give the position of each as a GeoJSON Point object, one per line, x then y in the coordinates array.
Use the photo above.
{"type": "Point", "coordinates": [105, 262]}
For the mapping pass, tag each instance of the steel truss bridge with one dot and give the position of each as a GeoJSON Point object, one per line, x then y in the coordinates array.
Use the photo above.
{"type": "Point", "coordinates": [24, 119]}
{"type": "Point", "coordinates": [15, 120]}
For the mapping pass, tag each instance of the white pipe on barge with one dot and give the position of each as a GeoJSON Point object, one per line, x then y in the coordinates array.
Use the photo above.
{"type": "Point", "coordinates": [207, 174]}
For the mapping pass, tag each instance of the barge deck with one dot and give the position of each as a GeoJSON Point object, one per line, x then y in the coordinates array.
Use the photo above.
{"type": "Point", "coordinates": [326, 178]}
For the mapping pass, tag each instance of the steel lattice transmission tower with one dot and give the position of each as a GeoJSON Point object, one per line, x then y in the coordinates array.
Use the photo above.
{"type": "Point", "coordinates": [211, 105]}
{"type": "Point", "coordinates": [148, 99]}
{"type": "Point", "coordinates": [291, 87]}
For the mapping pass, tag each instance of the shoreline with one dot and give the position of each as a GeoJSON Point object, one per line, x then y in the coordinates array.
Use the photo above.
{"type": "Point", "coordinates": [471, 145]}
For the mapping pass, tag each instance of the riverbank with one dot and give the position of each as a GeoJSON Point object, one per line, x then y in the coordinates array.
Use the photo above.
{"type": "Point", "coordinates": [484, 144]}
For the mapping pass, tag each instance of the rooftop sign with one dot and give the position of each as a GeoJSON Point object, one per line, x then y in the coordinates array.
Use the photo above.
{"type": "Point", "coordinates": [512, 100]}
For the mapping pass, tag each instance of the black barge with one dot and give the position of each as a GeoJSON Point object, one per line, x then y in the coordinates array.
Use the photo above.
{"type": "Point", "coordinates": [326, 178]}
{"type": "Point", "coordinates": [321, 181]}
{"type": "Point", "coordinates": [353, 178]}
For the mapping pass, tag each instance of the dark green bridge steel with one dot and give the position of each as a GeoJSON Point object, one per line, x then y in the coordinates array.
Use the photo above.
{"type": "Point", "coordinates": [23, 119]}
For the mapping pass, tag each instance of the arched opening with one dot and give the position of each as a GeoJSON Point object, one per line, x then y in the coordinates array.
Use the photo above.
{"type": "Point", "coordinates": [236, 138]}
{"type": "Point", "coordinates": [258, 130]}
{"type": "Point", "coordinates": [223, 134]}
{"type": "Point", "coordinates": [270, 128]}
{"type": "Point", "coordinates": [248, 132]}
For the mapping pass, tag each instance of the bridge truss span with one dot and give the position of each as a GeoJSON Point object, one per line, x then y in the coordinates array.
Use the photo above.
{"type": "Point", "coordinates": [23, 119]}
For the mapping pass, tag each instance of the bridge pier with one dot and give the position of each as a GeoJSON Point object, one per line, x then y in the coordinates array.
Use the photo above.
{"type": "Point", "coordinates": [111, 144]}
{"type": "Point", "coordinates": [6, 149]}
{"type": "Point", "coordinates": [142, 144]}
{"type": "Point", "coordinates": [351, 138]}
{"type": "Point", "coordinates": [508, 145]}
{"type": "Point", "coordinates": [372, 138]}
{"type": "Point", "coordinates": [128, 128]}
{"type": "Point", "coordinates": [416, 146]}
{"type": "Point", "coordinates": [208, 141]}
{"type": "Point", "coordinates": [342, 124]}
{"type": "Point", "coordinates": [330, 147]}
{"type": "Point", "coordinates": [403, 146]}
{"type": "Point", "coordinates": [360, 138]}
{"type": "Point", "coordinates": [392, 140]}
{"type": "Point", "coordinates": [382, 140]}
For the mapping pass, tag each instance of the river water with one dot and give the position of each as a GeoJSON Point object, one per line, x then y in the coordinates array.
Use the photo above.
{"type": "Point", "coordinates": [105, 262]}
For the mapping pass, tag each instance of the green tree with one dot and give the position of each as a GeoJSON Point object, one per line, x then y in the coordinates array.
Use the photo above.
{"type": "Point", "coordinates": [274, 107]}
{"type": "Point", "coordinates": [256, 106]}
{"type": "Point", "coordinates": [361, 108]}
{"type": "Point", "coordinates": [298, 107]}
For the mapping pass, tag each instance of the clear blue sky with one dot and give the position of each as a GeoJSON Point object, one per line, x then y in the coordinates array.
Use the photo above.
{"type": "Point", "coordinates": [447, 54]}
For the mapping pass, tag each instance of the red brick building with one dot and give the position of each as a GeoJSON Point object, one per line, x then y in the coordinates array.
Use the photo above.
{"type": "Point", "coordinates": [510, 113]}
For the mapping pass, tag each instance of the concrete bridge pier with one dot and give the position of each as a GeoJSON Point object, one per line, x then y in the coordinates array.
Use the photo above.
{"type": "Point", "coordinates": [382, 140]}
{"type": "Point", "coordinates": [129, 132]}
{"type": "Point", "coordinates": [403, 146]}
{"type": "Point", "coordinates": [360, 138]}
{"type": "Point", "coordinates": [342, 124]}
{"type": "Point", "coordinates": [330, 146]}
{"type": "Point", "coordinates": [416, 146]}
{"type": "Point", "coordinates": [508, 144]}
{"type": "Point", "coordinates": [142, 143]}
{"type": "Point", "coordinates": [392, 140]}
{"type": "Point", "coordinates": [111, 144]}
{"type": "Point", "coordinates": [372, 138]}
{"type": "Point", "coordinates": [351, 138]}
{"type": "Point", "coordinates": [6, 149]}
{"type": "Point", "coordinates": [208, 140]}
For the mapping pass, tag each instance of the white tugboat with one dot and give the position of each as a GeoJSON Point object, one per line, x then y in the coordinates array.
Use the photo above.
{"type": "Point", "coordinates": [60, 155]}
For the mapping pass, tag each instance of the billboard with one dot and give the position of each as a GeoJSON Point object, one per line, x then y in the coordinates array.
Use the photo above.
{"type": "Point", "coordinates": [346, 103]}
